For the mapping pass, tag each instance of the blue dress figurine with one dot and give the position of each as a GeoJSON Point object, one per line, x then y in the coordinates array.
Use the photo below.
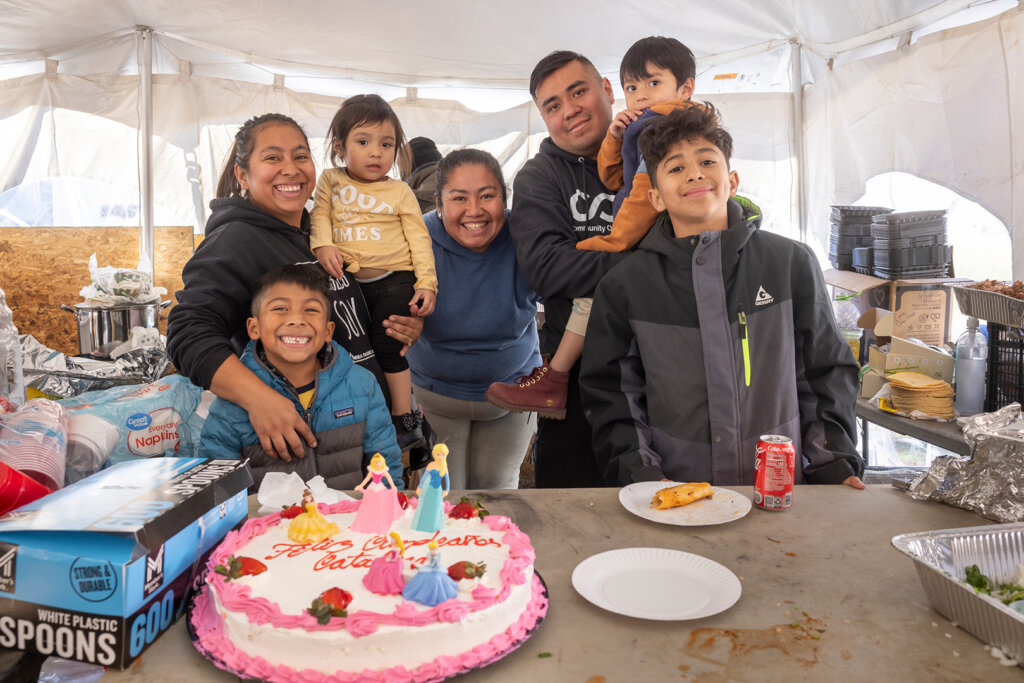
{"type": "Point", "coordinates": [434, 486]}
{"type": "Point", "coordinates": [431, 584]}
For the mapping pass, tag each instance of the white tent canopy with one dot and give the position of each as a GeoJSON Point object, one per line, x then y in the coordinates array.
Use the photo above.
{"type": "Point", "coordinates": [820, 96]}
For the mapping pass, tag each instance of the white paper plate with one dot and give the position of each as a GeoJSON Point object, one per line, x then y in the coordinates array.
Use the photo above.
{"type": "Point", "coordinates": [724, 506]}
{"type": "Point", "coordinates": [656, 583]}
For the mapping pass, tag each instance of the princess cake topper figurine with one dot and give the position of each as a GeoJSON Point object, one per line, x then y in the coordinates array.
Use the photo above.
{"type": "Point", "coordinates": [310, 526]}
{"type": "Point", "coordinates": [429, 515]}
{"type": "Point", "coordinates": [379, 507]}
{"type": "Point", "coordinates": [431, 584]}
{"type": "Point", "coordinates": [385, 574]}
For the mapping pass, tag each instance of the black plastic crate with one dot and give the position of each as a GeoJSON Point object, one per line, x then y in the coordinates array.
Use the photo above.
{"type": "Point", "coordinates": [1004, 377]}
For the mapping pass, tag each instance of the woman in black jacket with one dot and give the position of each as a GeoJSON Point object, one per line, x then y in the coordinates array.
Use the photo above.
{"type": "Point", "coordinates": [259, 222]}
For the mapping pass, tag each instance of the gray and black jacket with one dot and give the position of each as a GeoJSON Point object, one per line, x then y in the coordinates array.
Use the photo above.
{"type": "Point", "coordinates": [348, 416]}
{"type": "Point", "coordinates": [696, 347]}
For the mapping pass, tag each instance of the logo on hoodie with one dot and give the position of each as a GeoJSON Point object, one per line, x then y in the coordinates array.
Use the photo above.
{"type": "Point", "coordinates": [763, 297]}
{"type": "Point", "coordinates": [584, 213]}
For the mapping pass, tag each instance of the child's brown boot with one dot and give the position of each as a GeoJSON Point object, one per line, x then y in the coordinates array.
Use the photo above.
{"type": "Point", "coordinates": [543, 391]}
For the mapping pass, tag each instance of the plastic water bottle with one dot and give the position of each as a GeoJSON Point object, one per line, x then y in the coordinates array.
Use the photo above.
{"type": "Point", "coordinates": [971, 359]}
{"type": "Point", "coordinates": [10, 350]}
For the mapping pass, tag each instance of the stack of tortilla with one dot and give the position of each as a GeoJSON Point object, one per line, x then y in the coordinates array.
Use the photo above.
{"type": "Point", "coordinates": [912, 391]}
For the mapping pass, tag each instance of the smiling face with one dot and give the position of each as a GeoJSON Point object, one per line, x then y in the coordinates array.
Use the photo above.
{"type": "Point", "coordinates": [471, 208]}
{"type": "Point", "coordinates": [369, 151]}
{"type": "Point", "coordinates": [576, 105]}
{"type": "Point", "coordinates": [694, 183]}
{"type": "Point", "coordinates": [281, 172]}
{"type": "Point", "coordinates": [293, 326]}
{"type": "Point", "coordinates": [657, 87]}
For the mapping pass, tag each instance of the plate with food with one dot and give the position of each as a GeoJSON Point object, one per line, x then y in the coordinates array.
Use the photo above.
{"type": "Point", "coordinates": [683, 504]}
{"type": "Point", "coordinates": [656, 583]}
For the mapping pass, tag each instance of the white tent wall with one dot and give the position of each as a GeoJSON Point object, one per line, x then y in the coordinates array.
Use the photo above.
{"type": "Point", "coordinates": [942, 109]}
{"type": "Point", "coordinates": [81, 127]}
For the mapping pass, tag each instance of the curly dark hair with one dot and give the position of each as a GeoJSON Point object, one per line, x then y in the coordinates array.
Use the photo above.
{"type": "Point", "coordinates": [699, 120]}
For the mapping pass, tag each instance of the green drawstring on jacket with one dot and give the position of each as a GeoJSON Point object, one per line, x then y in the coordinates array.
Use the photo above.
{"type": "Point", "coordinates": [745, 341]}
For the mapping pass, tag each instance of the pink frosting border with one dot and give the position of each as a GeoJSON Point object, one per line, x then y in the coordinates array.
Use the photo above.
{"type": "Point", "coordinates": [214, 644]}
{"type": "Point", "coordinates": [211, 639]}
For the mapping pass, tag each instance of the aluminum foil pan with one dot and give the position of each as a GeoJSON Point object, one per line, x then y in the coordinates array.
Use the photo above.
{"type": "Point", "coordinates": [57, 374]}
{"type": "Point", "coordinates": [941, 559]}
{"type": "Point", "coordinates": [991, 480]}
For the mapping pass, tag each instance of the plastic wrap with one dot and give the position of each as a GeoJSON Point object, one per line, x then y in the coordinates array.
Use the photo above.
{"type": "Point", "coordinates": [991, 480]}
{"type": "Point", "coordinates": [118, 286]}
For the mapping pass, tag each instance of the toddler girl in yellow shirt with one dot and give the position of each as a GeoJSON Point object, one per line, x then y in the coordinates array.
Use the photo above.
{"type": "Point", "coordinates": [370, 225]}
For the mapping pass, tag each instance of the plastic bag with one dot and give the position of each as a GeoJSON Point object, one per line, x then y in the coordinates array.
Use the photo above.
{"type": "Point", "coordinates": [138, 421]}
{"type": "Point", "coordinates": [115, 286]}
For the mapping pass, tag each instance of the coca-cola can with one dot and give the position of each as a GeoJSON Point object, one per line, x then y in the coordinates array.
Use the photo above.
{"type": "Point", "coordinates": [774, 461]}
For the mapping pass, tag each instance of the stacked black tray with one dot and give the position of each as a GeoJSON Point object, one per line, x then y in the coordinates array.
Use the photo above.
{"type": "Point", "coordinates": [851, 239]}
{"type": "Point", "coordinates": [910, 245]}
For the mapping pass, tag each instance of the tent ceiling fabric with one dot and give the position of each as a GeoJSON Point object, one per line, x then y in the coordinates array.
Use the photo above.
{"type": "Point", "coordinates": [460, 42]}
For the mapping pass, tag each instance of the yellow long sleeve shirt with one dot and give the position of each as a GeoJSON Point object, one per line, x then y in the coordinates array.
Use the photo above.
{"type": "Point", "coordinates": [373, 225]}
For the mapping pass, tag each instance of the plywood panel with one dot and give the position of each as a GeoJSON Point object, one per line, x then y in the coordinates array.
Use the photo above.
{"type": "Point", "coordinates": [46, 267]}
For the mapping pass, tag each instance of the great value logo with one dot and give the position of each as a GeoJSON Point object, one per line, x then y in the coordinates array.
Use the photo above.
{"type": "Point", "coordinates": [138, 421]}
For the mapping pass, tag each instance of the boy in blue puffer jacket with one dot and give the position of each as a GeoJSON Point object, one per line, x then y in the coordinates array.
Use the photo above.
{"type": "Point", "coordinates": [292, 351]}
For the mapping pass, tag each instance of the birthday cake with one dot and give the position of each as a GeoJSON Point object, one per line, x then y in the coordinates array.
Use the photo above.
{"type": "Point", "coordinates": [278, 610]}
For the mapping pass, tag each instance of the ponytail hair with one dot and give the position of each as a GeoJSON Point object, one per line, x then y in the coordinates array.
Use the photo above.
{"type": "Point", "coordinates": [241, 151]}
{"type": "Point", "coordinates": [463, 157]}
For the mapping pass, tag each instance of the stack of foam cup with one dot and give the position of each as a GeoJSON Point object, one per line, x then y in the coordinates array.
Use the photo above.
{"type": "Point", "coordinates": [33, 439]}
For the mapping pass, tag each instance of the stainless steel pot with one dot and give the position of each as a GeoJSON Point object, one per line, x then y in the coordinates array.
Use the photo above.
{"type": "Point", "coordinates": [101, 330]}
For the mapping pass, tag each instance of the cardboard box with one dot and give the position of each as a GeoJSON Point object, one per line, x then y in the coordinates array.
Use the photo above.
{"type": "Point", "coordinates": [903, 354]}
{"type": "Point", "coordinates": [96, 571]}
{"type": "Point", "coordinates": [909, 356]}
{"type": "Point", "coordinates": [870, 382]}
{"type": "Point", "coordinates": [921, 308]}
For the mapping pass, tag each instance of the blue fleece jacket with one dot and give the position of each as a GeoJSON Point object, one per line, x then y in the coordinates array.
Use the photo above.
{"type": "Point", "coordinates": [348, 416]}
{"type": "Point", "coordinates": [483, 327]}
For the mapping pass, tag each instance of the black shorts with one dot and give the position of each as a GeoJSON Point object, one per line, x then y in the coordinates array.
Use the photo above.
{"type": "Point", "coordinates": [385, 297]}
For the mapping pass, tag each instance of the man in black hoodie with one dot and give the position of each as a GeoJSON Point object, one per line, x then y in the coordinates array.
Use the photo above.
{"type": "Point", "coordinates": [558, 201]}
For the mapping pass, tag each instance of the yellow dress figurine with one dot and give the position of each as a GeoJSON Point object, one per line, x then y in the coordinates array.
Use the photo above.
{"type": "Point", "coordinates": [310, 526]}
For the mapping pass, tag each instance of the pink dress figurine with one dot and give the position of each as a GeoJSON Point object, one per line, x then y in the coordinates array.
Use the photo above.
{"type": "Point", "coordinates": [379, 507]}
{"type": "Point", "coordinates": [385, 574]}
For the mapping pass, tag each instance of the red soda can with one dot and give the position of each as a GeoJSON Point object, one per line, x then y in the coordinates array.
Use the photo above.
{"type": "Point", "coordinates": [774, 461]}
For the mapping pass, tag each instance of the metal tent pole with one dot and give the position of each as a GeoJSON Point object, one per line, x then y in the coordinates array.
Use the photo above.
{"type": "Point", "coordinates": [145, 145]}
{"type": "Point", "coordinates": [796, 77]}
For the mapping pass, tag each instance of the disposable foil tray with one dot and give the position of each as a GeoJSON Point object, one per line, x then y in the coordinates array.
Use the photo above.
{"type": "Point", "coordinates": [990, 306]}
{"type": "Point", "coordinates": [942, 558]}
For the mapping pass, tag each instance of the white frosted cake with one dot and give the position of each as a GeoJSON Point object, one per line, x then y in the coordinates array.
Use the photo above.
{"type": "Point", "coordinates": [258, 625]}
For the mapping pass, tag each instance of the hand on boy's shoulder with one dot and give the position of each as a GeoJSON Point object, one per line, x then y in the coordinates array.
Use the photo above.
{"type": "Point", "coordinates": [854, 482]}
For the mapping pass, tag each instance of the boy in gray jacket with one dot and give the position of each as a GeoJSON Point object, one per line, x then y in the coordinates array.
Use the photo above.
{"type": "Point", "coordinates": [713, 333]}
